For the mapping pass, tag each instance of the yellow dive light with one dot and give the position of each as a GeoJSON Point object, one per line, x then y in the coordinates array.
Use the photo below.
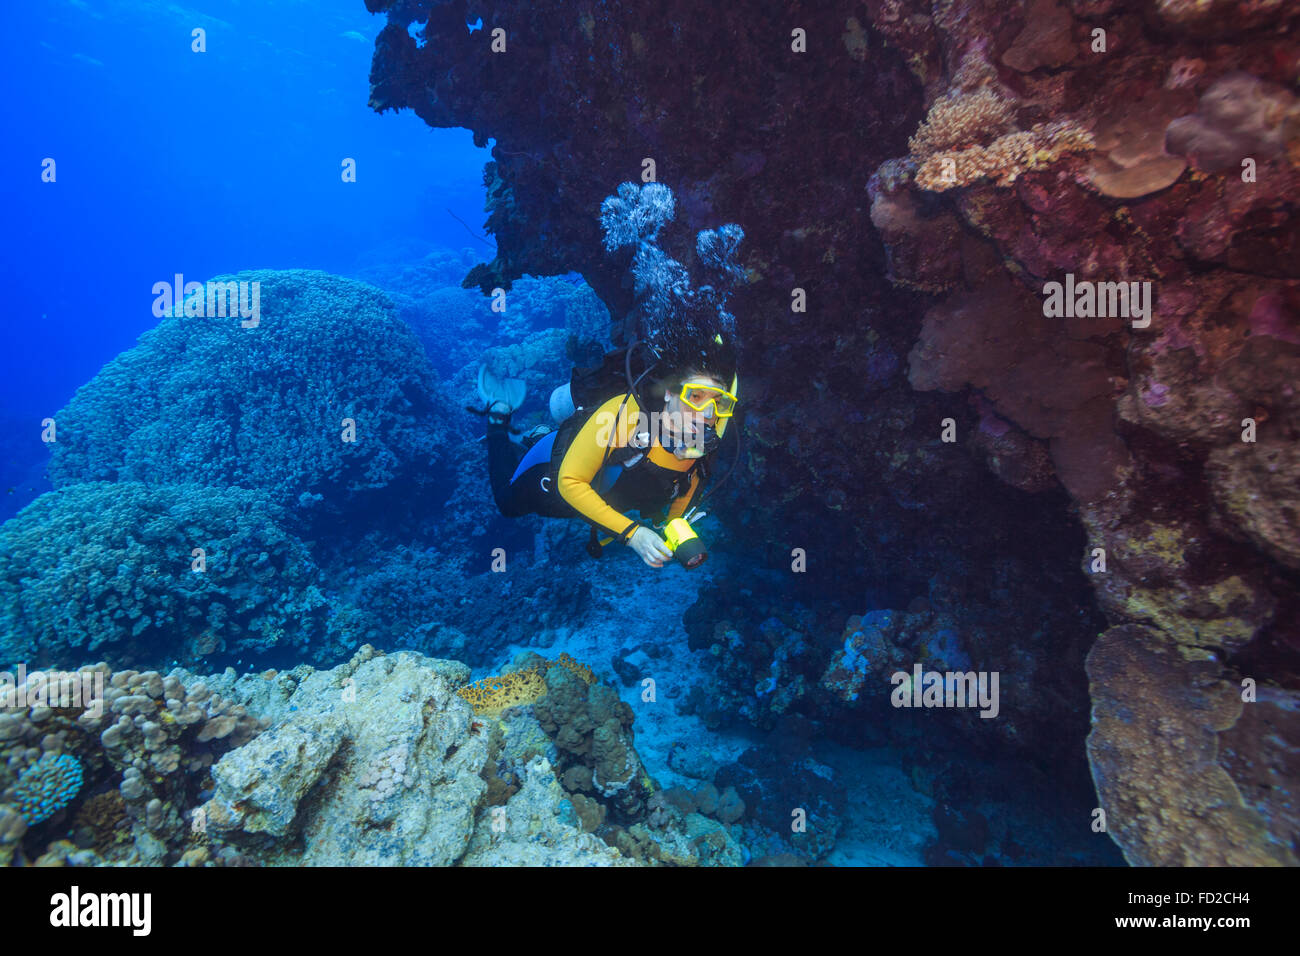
{"type": "Point", "coordinates": [687, 547]}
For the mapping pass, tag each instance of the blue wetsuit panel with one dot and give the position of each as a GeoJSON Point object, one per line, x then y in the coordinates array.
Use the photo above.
{"type": "Point", "coordinates": [605, 480]}
{"type": "Point", "coordinates": [540, 452]}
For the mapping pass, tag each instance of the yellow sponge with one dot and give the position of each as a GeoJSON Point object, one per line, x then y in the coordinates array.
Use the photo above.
{"type": "Point", "coordinates": [492, 695]}
{"type": "Point", "coordinates": [581, 670]}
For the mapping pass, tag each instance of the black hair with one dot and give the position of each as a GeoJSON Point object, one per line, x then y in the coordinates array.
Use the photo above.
{"type": "Point", "coordinates": [697, 337]}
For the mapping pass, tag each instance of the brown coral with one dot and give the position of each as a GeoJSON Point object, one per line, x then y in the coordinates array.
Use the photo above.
{"type": "Point", "coordinates": [1006, 159]}
{"type": "Point", "coordinates": [105, 821]}
{"type": "Point", "coordinates": [1154, 748]}
{"type": "Point", "coordinates": [592, 728]}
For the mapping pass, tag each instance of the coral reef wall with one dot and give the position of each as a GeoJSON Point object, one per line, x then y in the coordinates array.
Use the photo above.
{"type": "Point", "coordinates": [922, 171]}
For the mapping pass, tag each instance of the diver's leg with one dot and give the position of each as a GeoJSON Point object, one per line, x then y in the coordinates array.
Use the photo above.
{"type": "Point", "coordinates": [532, 492]}
{"type": "Point", "coordinates": [503, 459]}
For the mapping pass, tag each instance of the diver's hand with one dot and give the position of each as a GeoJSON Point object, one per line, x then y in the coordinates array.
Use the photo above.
{"type": "Point", "coordinates": [649, 546]}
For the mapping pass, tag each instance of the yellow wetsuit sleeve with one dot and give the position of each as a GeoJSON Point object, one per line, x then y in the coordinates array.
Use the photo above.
{"type": "Point", "coordinates": [584, 457]}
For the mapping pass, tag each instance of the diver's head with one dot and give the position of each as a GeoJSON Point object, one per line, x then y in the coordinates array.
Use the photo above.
{"type": "Point", "coordinates": [693, 380]}
{"type": "Point", "coordinates": [695, 403]}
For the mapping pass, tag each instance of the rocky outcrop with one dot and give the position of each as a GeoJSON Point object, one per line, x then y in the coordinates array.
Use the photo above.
{"type": "Point", "coordinates": [384, 762]}
{"type": "Point", "coordinates": [1154, 710]}
{"type": "Point", "coordinates": [379, 763]}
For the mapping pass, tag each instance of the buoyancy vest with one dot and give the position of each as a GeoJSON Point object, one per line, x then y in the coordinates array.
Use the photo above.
{"type": "Point", "coordinates": [629, 479]}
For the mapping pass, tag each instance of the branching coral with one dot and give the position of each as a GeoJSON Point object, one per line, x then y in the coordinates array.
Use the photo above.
{"type": "Point", "coordinates": [576, 668]}
{"type": "Point", "coordinates": [46, 787]}
{"type": "Point", "coordinates": [958, 120]}
{"type": "Point", "coordinates": [148, 736]}
{"type": "Point", "coordinates": [635, 214]}
{"type": "Point", "coordinates": [969, 135]}
{"type": "Point", "coordinates": [492, 695]}
{"type": "Point", "coordinates": [667, 302]}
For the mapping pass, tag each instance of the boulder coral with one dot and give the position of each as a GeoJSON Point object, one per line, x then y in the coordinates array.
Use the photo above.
{"type": "Point", "coordinates": [205, 400]}
{"type": "Point", "coordinates": [591, 727]}
{"type": "Point", "coordinates": [109, 569]}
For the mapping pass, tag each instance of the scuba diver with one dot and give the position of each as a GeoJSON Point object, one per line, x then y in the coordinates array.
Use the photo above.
{"type": "Point", "coordinates": [625, 443]}
{"type": "Point", "coordinates": [639, 431]}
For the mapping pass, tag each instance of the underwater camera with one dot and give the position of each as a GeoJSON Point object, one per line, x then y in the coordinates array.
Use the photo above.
{"type": "Point", "coordinates": [687, 547]}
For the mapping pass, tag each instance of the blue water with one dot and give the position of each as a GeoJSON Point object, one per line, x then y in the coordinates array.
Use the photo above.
{"type": "Point", "coordinates": [171, 161]}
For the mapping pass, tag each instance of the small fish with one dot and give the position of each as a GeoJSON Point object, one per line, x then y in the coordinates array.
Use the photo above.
{"type": "Point", "coordinates": [354, 35]}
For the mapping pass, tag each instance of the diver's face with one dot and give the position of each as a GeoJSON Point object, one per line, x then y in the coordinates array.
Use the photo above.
{"type": "Point", "coordinates": [692, 422]}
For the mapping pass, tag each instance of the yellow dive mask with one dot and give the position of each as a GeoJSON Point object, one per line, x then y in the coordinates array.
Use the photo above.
{"type": "Point", "coordinates": [698, 396]}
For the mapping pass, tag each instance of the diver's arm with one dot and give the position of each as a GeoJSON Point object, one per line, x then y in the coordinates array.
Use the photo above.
{"type": "Point", "coordinates": [584, 458]}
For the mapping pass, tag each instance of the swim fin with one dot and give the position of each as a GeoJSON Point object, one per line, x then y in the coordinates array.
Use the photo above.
{"type": "Point", "coordinates": [493, 390]}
